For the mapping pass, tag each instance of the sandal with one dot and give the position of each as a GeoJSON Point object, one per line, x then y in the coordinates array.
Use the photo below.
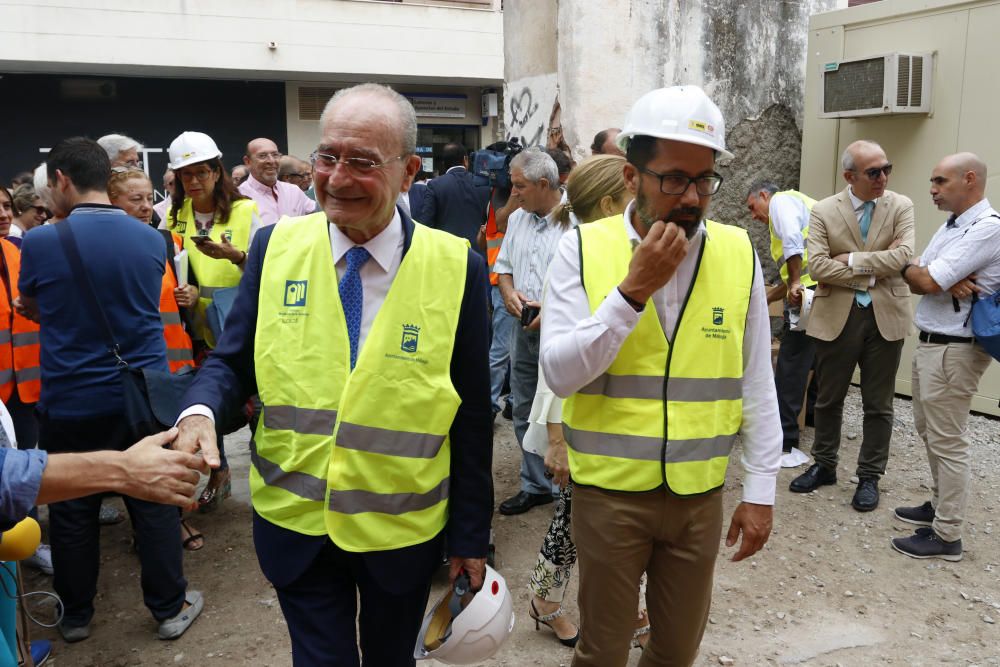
{"type": "Point", "coordinates": [544, 620]}
{"type": "Point", "coordinates": [219, 487]}
{"type": "Point", "coordinates": [641, 635]}
{"type": "Point", "coordinates": [190, 537]}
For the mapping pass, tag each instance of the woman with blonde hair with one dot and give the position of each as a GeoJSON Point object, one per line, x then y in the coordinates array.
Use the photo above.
{"type": "Point", "coordinates": [595, 190]}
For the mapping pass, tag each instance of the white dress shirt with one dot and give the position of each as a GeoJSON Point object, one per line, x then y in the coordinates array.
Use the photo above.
{"type": "Point", "coordinates": [577, 347]}
{"type": "Point", "coordinates": [789, 216]}
{"type": "Point", "coordinates": [377, 274]}
{"type": "Point", "coordinates": [527, 249]}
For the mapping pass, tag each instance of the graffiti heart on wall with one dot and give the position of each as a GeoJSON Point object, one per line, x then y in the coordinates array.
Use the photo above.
{"type": "Point", "coordinates": [528, 104]}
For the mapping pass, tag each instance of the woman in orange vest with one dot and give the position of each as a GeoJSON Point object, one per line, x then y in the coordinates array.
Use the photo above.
{"type": "Point", "coordinates": [130, 189]}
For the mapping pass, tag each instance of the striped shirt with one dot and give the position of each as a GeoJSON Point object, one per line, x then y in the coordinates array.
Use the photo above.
{"type": "Point", "coordinates": [528, 248]}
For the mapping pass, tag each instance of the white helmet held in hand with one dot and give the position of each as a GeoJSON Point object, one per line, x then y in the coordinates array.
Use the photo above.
{"type": "Point", "coordinates": [680, 113]}
{"type": "Point", "coordinates": [463, 631]}
{"type": "Point", "coordinates": [191, 147]}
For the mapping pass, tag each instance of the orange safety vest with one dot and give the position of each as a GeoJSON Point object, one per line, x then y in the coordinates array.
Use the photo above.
{"type": "Point", "coordinates": [494, 239]}
{"type": "Point", "coordinates": [179, 352]}
{"type": "Point", "coordinates": [19, 343]}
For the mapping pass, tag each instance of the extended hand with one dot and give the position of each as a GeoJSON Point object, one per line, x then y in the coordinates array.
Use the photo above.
{"type": "Point", "coordinates": [197, 433]}
{"type": "Point", "coordinates": [654, 261]}
{"type": "Point", "coordinates": [474, 567]}
{"type": "Point", "coordinates": [162, 475]}
{"type": "Point", "coordinates": [557, 462]}
{"type": "Point", "coordinates": [754, 521]}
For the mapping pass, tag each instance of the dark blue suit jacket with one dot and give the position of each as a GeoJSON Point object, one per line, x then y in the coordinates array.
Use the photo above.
{"type": "Point", "coordinates": [418, 194]}
{"type": "Point", "coordinates": [455, 204]}
{"type": "Point", "coordinates": [227, 380]}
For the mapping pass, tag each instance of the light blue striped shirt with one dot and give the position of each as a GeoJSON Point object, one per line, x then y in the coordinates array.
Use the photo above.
{"type": "Point", "coordinates": [528, 248]}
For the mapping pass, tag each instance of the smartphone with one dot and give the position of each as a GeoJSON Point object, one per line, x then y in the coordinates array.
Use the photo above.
{"type": "Point", "coordinates": [528, 314]}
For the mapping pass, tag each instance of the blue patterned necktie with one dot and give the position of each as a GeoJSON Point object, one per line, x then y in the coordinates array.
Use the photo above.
{"type": "Point", "coordinates": [351, 296]}
{"type": "Point", "coordinates": [862, 297]}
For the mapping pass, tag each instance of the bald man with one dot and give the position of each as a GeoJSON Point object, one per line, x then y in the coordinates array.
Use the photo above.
{"type": "Point", "coordinates": [962, 259]}
{"type": "Point", "coordinates": [274, 198]}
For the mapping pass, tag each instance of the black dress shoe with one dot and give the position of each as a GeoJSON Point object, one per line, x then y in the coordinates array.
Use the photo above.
{"type": "Point", "coordinates": [508, 412]}
{"type": "Point", "coordinates": [866, 497]}
{"type": "Point", "coordinates": [523, 502]}
{"type": "Point", "coordinates": [812, 479]}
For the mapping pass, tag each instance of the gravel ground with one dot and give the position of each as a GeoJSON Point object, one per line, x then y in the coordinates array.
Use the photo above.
{"type": "Point", "coordinates": [826, 590]}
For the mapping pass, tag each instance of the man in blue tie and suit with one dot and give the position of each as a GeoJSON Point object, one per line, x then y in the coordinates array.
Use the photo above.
{"type": "Point", "coordinates": [366, 337]}
{"type": "Point", "coordinates": [859, 240]}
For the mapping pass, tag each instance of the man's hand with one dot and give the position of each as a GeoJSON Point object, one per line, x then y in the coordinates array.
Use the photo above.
{"type": "Point", "coordinates": [754, 521]}
{"type": "Point", "coordinates": [197, 433]}
{"type": "Point", "coordinates": [536, 324]}
{"type": "Point", "coordinates": [795, 293]}
{"type": "Point", "coordinates": [966, 287]}
{"type": "Point", "coordinates": [161, 475]}
{"type": "Point", "coordinates": [186, 296]}
{"type": "Point", "coordinates": [26, 307]}
{"type": "Point", "coordinates": [557, 461]}
{"type": "Point", "coordinates": [654, 261]}
{"type": "Point", "coordinates": [514, 301]}
{"type": "Point", "coordinates": [474, 567]}
{"type": "Point", "coordinates": [481, 238]}
{"type": "Point", "coordinates": [844, 258]}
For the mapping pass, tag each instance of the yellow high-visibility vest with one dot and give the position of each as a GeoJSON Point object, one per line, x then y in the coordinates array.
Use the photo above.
{"type": "Point", "coordinates": [664, 412]}
{"type": "Point", "coordinates": [361, 455]}
{"type": "Point", "coordinates": [778, 249]}
{"type": "Point", "coordinates": [212, 273]}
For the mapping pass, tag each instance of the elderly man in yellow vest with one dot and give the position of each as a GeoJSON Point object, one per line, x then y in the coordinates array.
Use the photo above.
{"type": "Point", "coordinates": [786, 214]}
{"type": "Point", "coordinates": [366, 335]}
{"type": "Point", "coordinates": [656, 330]}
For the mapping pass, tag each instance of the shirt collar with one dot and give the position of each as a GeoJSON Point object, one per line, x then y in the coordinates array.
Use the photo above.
{"type": "Point", "coordinates": [543, 221]}
{"type": "Point", "coordinates": [458, 166]}
{"type": "Point", "coordinates": [260, 187]}
{"type": "Point", "coordinates": [382, 247]}
{"type": "Point", "coordinates": [972, 213]}
{"type": "Point", "coordinates": [633, 236]}
{"type": "Point", "coordinates": [858, 204]}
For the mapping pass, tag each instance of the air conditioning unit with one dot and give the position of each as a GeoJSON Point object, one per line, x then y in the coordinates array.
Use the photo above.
{"type": "Point", "coordinates": [888, 84]}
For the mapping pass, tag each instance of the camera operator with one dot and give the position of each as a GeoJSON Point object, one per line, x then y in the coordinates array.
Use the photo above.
{"type": "Point", "coordinates": [528, 246]}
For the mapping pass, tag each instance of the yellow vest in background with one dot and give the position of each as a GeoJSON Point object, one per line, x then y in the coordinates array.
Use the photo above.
{"type": "Point", "coordinates": [778, 249]}
{"type": "Point", "coordinates": [664, 413]}
{"type": "Point", "coordinates": [361, 455]}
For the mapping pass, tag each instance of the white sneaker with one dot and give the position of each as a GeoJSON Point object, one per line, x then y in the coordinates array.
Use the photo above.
{"type": "Point", "coordinates": [41, 559]}
{"type": "Point", "coordinates": [794, 458]}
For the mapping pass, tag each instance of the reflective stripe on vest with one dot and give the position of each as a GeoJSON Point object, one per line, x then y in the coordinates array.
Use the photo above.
{"type": "Point", "coordinates": [385, 472]}
{"type": "Point", "coordinates": [494, 239]}
{"type": "Point", "coordinates": [778, 248]}
{"type": "Point", "coordinates": [179, 347]}
{"type": "Point", "coordinates": [637, 427]}
{"type": "Point", "coordinates": [213, 274]}
{"type": "Point", "coordinates": [20, 349]}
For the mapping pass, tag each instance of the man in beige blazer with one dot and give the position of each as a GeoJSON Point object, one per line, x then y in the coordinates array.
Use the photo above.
{"type": "Point", "coordinates": [859, 240]}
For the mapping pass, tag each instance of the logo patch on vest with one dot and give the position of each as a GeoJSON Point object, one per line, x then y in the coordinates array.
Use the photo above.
{"type": "Point", "coordinates": [717, 316]}
{"type": "Point", "coordinates": [295, 292]}
{"type": "Point", "coordinates": [411, 337]}
{"type": "Point", "coordinates": [718, 330]}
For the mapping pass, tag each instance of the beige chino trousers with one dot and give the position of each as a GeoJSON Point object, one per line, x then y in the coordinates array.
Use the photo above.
{"type": "Point", "coordinates": [945, 378]}
{"type": "Point", "coordinates": [619, 536]}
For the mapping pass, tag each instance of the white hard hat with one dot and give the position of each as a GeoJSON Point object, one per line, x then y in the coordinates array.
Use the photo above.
{"type": "Point", "coordinates": [680, 113]}
{"type": "Point", "coordinates": [798, 321]}
{"type": "Point", "coordinates": [191, 147]}
{"type": "Point", "coordinates": [457, 635]}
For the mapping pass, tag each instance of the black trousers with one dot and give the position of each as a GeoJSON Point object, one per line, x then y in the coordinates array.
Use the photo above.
{"type": "Point", "coordinates": [74, 530]}
{"type": "Point", "coordinates": [795, 360]}
{"type": "Point", "coordinates": [859, 345]}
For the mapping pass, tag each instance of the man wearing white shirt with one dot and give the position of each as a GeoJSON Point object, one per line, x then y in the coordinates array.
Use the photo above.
{"type": "Point", "coordinates": [656, 330]}
{"type": "Point", "coordinates": [962, 260]}
{"type": "Point", "coordinates": [274, 198]}
{"type": "Point", "coordinates": [859, 239]}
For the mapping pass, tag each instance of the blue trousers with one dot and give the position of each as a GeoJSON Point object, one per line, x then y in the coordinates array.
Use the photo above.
{"type": "Point", "coordinates": [523, 383]}
{"type": "Point", "coordinates": [503, 323]}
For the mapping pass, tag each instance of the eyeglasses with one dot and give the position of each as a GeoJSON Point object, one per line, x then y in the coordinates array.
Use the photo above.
{"type": "Point", "coordinates": [40, 210]}
{"type": "Point", "coordinates": [201, 175]}
{"type": "Point", "coordinates": [677, 184]}
{"type": "Point", "coordinates": [874, 172]}
{"type": "Point", "coordinates": [265, 156]}
{"type": "Point", "coordinates": [135, 164]}
{"type": "Point", "coordinates": [127, 169]}
{"type": "Point", "coordinates": [359, 166]}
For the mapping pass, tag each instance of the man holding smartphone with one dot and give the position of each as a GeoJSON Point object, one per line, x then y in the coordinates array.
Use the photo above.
{"type": "Point", "coordinates": [528, 246]}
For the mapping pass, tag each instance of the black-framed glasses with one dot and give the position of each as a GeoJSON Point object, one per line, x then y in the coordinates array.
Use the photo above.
{"type": "Point", "coordinates": [40, 210]}
{"type": "Point", "coordinates": [677, 184]}
{"type": "Point", "coordinates": [874, 172]}
{"type": "Point", "coordinates": [360, 166]}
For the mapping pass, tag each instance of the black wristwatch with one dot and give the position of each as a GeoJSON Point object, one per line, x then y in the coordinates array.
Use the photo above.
{"type": "Point", "coordinates": [638, 307]}
{"type": "Point", "coordinates": [902, 271]}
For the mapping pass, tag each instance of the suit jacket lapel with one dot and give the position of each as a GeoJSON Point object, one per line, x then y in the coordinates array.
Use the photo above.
{"type": "Point", "coordinates": [879, 216]}
{"type": "Point", "coordinates": [850, 219]}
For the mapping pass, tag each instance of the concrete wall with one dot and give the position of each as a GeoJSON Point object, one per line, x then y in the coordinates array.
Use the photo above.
{"type": "Point", "coordinates": [748, 56]}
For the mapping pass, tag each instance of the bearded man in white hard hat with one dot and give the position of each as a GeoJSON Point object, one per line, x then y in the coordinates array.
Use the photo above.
{"type": "Point", "coordinates": [656, 332]}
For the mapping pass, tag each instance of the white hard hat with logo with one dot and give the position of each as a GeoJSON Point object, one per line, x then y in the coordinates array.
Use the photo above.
{"type": "Point", "coordinates": [680, 113]}
{"type": "Point", "coordinates": [191, 147]}
{"type": "Point", "coordinates": [460, 631]}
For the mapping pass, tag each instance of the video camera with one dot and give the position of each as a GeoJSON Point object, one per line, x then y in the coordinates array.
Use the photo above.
{"type": "Point", "coordinates": [491, 165]}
